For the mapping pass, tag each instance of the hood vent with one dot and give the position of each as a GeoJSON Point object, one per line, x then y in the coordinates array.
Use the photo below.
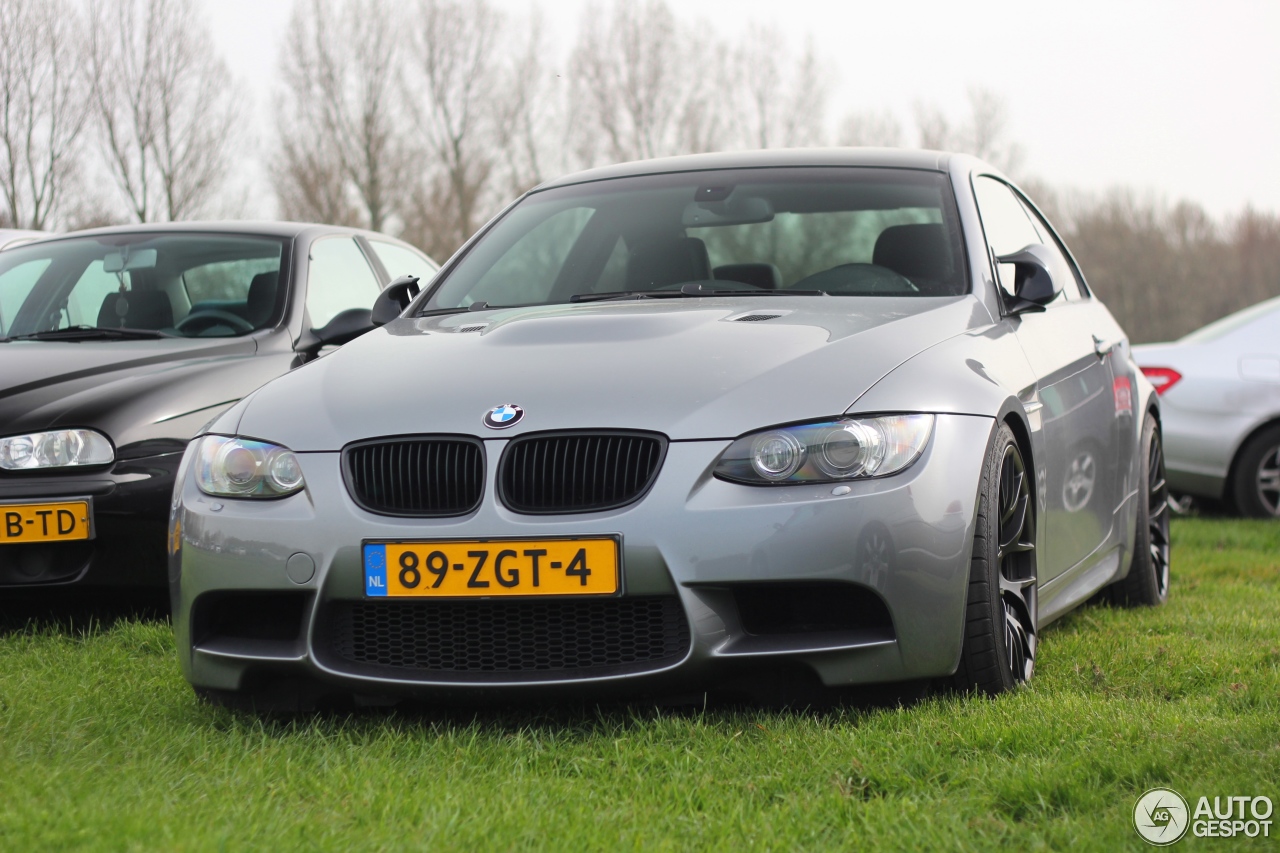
{"type": "Point", "coordinates": [755, 318]}
{"type": "Point", "coordinates": [480, 328]}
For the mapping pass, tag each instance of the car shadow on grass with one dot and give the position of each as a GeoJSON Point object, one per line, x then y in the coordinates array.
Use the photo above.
{"type": "Point", "coordinates": [79, 611]}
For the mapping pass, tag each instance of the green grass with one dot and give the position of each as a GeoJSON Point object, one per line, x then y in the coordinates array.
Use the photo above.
{"type": "Point", "coordinates": [103, 746]}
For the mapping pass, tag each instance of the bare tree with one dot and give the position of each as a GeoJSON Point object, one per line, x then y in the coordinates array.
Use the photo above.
{"type": "Point", "coordinates": [344, 156]}
{"type": "Point", "coordinates": [42, 107]}
{"type": "Point", "coordinates": [166, 105]}
{"type": "Point", "coordinates": [984, 132]}
{"type": "Point", "coordinates": [870, 128]}
{"type": "Point", "coordinates": [645, 86]}
{"type": "Point", "coordinates": [785, 99]}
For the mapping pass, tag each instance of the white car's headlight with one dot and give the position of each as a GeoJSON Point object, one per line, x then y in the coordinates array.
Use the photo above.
{"type": "Point", "coordinates": [62, 448]}
{"type": "Point", "coordinates": [243, 468]}
{"type": "Point", "coordinates": [844, 449]}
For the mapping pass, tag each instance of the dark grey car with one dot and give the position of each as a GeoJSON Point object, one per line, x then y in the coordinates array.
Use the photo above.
{"type": "Point", "coordinates": [118, 344]}
{"type": "Point", "coordinates": [851, 413]}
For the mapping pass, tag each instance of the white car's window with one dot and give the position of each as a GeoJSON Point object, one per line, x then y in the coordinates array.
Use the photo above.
{"type": "Point", "coordinates": [398, 261]}
{"type": "Point", "coordinates": [14, 287]}
{"type": "Point", "coordinates": [1263, 318]}
{"type": "Point", "coordinates": [340, 279]}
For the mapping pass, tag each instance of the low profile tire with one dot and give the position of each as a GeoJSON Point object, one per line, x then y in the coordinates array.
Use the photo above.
{"type": "Point", "coordinates": [1257, 476]}
{"type": "Point", "coordinates": [1147, 583]}
{"type": "Point", "coordinates": [999, 650]}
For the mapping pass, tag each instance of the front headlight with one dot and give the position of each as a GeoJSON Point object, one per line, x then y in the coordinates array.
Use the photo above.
{"type": "Point", "coordinates": [843, 449]}
{"type": "Point", "coordinates": [243, 468]}
{"type": "Point", "coordinates": [61, 448]}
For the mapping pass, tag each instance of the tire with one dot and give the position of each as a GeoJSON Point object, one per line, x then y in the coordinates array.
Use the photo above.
{"type": "Point", "coordinates": [1147, 583]}
{"type": "Point", "coordinates": [999, 650]}
{"type": "Point", "coordinates": [1256, 483]}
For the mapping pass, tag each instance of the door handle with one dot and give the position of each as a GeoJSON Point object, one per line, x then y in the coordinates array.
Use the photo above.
{"type": "Point", "coordinates": [1102, 346]}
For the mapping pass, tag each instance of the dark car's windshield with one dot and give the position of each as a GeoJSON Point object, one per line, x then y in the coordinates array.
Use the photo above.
{"type": "Point", "coordinates": [188, 285]}
{"type": "Point", "coordinates": [837, 231]}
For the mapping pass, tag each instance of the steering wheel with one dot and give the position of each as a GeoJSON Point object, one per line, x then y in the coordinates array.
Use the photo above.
{"type": "Point", "coordinates": [857, 279]}
{"type": "Point", "coordinates": [194, 324]}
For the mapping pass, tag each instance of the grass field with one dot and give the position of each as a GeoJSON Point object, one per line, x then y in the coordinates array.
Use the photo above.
{"type": "Point", "coordinates": [103, 746]}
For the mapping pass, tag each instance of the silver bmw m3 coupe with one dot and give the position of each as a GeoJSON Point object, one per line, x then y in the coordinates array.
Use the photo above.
{"type": "Point", "coordinates": [852, 414]}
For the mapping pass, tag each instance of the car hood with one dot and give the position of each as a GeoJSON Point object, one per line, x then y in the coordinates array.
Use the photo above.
{"type": "Point", "coordinates": [690, 370]}
{"type": "Point", "coordinates": [132, 390]}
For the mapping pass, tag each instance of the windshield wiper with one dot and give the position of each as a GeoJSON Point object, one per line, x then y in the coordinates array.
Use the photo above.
{"type": "Point", "coordinates": [689, 288]}
{"type": "Point", "coordinates": [90, 333]}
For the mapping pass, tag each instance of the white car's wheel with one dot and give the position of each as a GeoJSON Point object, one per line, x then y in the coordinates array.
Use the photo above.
{"type": "Point", "coordinates": [1257, 476]}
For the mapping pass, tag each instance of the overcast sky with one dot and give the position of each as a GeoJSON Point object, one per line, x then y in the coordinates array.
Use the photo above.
{"type": "Point", "coordinates": [1176, 98]}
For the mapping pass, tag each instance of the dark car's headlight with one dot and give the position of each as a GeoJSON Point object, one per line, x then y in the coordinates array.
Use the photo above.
{"type": "Point", "coordinates": [243, 468]}
{"type": "Point", "coordinates": [62, 448]}
{"type": "Point", "coordinates": [843, 449]}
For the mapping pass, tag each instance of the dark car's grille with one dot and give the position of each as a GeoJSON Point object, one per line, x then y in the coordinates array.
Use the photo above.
{"type": "Point", "coordinates": [578, 472]}
{"type": "Point", "coordinates": [496, 640]}
{"type": "Point", "coordinates": [415, 476]}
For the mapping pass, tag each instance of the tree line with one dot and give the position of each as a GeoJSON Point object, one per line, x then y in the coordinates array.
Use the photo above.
{"type": "Point", "coordinates": [424, 117]}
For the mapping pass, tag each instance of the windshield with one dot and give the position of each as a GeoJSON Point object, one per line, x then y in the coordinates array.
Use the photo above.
{"type": "Point", "coordinates": [1232, 322]}
{"type": "Point", "coordinates": [836, 231]}
{"type": "Point", "coordinates": [188, 285]}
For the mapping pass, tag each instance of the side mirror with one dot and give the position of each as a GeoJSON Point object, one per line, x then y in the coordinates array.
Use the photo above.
{"type": "Point", "coordinates": [394, 299]}
{"type": "Point", "coordinates": [1034, 286]}
{"type": "Point", "coordinates": [345, 326]}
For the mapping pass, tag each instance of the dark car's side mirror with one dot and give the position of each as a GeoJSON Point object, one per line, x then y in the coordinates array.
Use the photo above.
{"type": "Point", "coordinates": [394, 299]}
{"type": "Point", "coordinates": [1034, 286]}
{"type": "Point", "coordinates": [344, 327]}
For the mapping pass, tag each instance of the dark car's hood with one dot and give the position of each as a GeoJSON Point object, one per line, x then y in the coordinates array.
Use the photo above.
{"type": "Point", "coordinates": [688, 368]}
{"type": "Point", "coordinates": [131, 390]}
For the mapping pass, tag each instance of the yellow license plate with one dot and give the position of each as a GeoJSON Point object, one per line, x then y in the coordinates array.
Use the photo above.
{"type": "Point", "coordinates": [65, 521]}
{"type": "Point", "coordinates": [488, 568]}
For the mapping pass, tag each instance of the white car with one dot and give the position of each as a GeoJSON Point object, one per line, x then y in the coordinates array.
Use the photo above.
{"type": "Point", "coordinates": [1220, 390]}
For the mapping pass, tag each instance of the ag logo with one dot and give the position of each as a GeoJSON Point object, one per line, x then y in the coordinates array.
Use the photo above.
{"type": "Point", "coordinates": [1161, 816]}
{"type": "Point", "coordinates": [501, 417]}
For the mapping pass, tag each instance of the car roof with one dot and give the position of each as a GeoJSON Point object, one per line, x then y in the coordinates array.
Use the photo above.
{"type": "Point", "coordinates": [267, 228]}
{"type": "Point", "coordinates": [894, 158]}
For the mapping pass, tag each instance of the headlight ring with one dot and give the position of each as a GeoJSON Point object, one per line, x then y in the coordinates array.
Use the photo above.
{"type": "Point", "coordinates": [229, 467]}
{"type": "Point", "coordinates": [843, 449]}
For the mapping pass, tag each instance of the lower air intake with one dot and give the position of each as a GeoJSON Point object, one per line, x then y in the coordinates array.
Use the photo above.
{"type": "Point", "coordinates": [507, 640]}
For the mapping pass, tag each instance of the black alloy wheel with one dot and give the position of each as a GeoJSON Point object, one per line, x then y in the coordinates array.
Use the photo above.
{"type": "Point", "coordinates": [1147, 583]}
{"type": "Point", "coordinates": [1000, 623]}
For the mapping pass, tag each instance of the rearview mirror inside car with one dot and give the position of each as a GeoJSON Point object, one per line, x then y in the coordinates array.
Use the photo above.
{"type": "Point", "coordinates": [733, 211]}
{"type": "Point", "coordinates": [124, 260]}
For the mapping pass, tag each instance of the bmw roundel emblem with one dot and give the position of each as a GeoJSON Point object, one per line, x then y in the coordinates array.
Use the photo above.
{"type": "Point", "coordinates": [501, 417]}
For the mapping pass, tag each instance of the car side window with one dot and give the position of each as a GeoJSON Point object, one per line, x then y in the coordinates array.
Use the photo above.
{"type": "Point", "coordinates": [1012, 224]}
{"type": "Point", "coordinates": [1005, 222]}
{"type": "Point", "coordinates": [399, 260]}
{"type": "Point", "coordinates": [1074, 287]}
{"type": "Point", "coordinates": [340, 278]}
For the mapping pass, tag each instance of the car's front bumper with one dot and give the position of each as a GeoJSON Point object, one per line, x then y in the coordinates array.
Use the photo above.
{"type": "Point", "coordinates": [709, 545]}
{"type": "Point", "coordinates": [130, 506]}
